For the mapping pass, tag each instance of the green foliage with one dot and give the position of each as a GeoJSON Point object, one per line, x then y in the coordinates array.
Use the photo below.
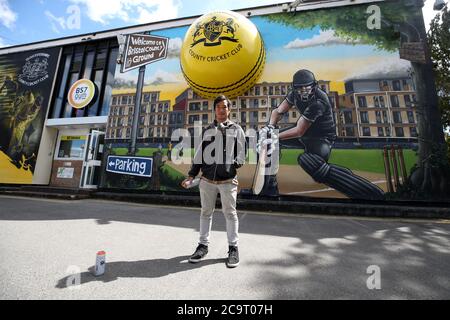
{"type": "Point", "coordinates": [439, 42]}
{"type": "Point", "coordinates": [350, 22]}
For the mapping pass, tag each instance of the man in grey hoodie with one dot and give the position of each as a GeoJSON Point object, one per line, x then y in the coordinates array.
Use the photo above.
{"type": "Point", "coordinates": [220, 154]}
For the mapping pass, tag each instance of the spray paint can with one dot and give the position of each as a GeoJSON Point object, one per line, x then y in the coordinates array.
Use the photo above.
{"type": "Point", "coordinates": [100, 263]}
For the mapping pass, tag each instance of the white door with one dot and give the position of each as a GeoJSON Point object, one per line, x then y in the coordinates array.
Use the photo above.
{"type": "Point", "coordinates": [92, 162]}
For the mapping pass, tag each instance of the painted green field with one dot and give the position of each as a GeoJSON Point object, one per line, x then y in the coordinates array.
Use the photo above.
{"type": "Point", "coordinates": [370, 160]}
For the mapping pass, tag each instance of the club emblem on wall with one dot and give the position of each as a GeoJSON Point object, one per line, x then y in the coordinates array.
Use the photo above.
{"type": "Point", "coordinates": [212, 32]}
{"type": "Point", "coordinates": [34, 70]}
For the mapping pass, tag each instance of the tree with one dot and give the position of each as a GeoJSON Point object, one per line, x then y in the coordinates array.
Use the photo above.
{"type": "Point", "coordinates": [439, 42]}
{"type": "Point", "coordinates": [401, 21]}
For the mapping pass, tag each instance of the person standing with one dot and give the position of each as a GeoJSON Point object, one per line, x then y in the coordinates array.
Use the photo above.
{"type": "Point", "coordinates": [221, 153]}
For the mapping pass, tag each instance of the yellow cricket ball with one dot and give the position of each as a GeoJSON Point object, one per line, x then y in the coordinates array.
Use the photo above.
{"type": "Point", "coordinates": [222, 53]}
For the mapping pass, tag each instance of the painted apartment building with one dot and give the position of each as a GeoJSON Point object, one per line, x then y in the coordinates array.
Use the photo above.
{"type": "Point", "coordinates": [378, 108]}
{"type": "Point", "coordinates": [153, 122]}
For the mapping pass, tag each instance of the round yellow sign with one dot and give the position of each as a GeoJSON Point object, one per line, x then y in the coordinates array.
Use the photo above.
{"type": "Point", "coordinates": [222, 53]}
{"type": "Point", "coordinates": [81, 93]}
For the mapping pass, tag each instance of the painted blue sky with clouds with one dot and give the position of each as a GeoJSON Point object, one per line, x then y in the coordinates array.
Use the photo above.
{"type": "Point", "coordinates": [27, 21]}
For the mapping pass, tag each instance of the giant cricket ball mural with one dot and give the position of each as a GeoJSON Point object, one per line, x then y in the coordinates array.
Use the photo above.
{"type": "Point", "coordinates": [222, 53]}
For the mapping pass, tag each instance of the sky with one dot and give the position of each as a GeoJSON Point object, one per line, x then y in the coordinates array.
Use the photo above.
{"type": "Point", "coordinates": [27, 21]}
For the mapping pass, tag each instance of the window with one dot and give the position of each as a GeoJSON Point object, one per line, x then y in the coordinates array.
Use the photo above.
{"type": "Point", "coordinates": [364, 117]}
{"type": "Point", "coordinates": [193, 118]}
{"type": "Point", "coordinates": [397, 117]}
{"type": "Point", "coordinates": [394, 102]}
{"type": "Point", "coordinates": [194, 106]}
{"type": "Point", "coordinates": [362, 102]}
{"type": "Point", "coordinates": [385, 117]}
{"type": "Point", "coordinates": [141, 133]}
{"type": "Point", "coordinates": [388, 131]}
{"type": "Point", "coordinates": [378, 116]}
{"type": "Point", "coordinates": [349, 131]}
{"type": "Point", "coordinates": [274, 102]}
{"type": "Point", "coordinates": [408, 102]}
{"type": "Point", "coordinates": [366, 131]}
{"type": "Point", "coordinates": [396, 85]}
{"type": "Point", "coordinates": [410, 116]}
{"type": "Point", "coordinates": [380, 132]}
{"type": "Point", "coordinates": [277, 90]}
{"type": "Point", "coordinates": [348, 117]}
{"type": "Point", "coordinates": [399, 132]}
{"type": "Point", "coordinates": [72, 147]}
{"type": "Point", "coordinates": [257, 91]}
{"type": "Point", "coordinates": [413, 131]}
{"type": "Point", "coordinates": [379, 101]}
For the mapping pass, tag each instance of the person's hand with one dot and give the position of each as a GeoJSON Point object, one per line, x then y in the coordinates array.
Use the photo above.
{"type": "Point", "coordinates": [186, 182]}
{"type": "Point", "coordinates": [266, 131]}
{"type": "Point", "coordinates": [269, 143]}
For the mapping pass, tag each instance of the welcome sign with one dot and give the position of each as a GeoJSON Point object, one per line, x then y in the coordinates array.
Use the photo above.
{"type": "Point", "coordinates": [143, 49]}
{"type": "Point", "coordinates": [135, 166]}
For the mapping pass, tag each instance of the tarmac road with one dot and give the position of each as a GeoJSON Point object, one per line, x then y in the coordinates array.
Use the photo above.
{"type": "Point", "coordinates": [46, 246]}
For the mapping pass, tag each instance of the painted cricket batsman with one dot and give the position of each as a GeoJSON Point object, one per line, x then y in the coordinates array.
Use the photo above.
{"type": "Point", "coordinates": [316, 130]}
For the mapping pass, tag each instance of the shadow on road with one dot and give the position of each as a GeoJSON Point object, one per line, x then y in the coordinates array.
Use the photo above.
{"type": "Point", "coordinates": [310, 257]}
{"type": "Point", "coordinates": [154, 268]}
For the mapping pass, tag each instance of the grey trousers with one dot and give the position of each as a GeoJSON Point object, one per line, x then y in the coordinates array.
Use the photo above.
{"type": "Point", "coordinates": [208, 196]}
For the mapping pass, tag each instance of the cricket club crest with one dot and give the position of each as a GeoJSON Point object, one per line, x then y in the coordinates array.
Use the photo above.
{"type": "Point", "coordinates": [212, 33]}
{"type": "Point", "coordinates": [35, 69]}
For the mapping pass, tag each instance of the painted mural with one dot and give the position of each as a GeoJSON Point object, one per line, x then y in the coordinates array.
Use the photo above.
{"type": "Point", "coordinates": [25, 84]}
{"type": "Point", "coordinates": [365, 143]}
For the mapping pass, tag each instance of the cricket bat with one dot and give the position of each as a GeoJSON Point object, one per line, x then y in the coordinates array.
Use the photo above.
{"type": "Point", "coordinates": [258, 178]}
